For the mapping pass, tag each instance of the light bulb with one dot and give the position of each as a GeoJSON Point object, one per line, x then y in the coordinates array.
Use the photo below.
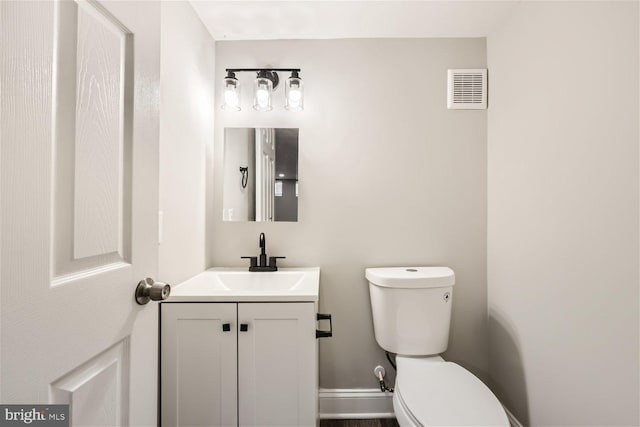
{"type": "Point", "coordinates": [262, 95]}
{"type": "Point", "coordinates": [231, 98]}
{"type": "Point", "coordinates": [294, 97]}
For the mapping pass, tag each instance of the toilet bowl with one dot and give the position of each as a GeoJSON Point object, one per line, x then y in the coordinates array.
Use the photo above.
{"type": "Point", "coordinates": [411, 309]}
{"type": "Point", "coordinates": [432, 392]}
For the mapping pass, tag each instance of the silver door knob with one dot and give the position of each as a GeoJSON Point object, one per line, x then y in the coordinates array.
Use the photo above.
{"type": "Point", "coordinates": [149, 290]}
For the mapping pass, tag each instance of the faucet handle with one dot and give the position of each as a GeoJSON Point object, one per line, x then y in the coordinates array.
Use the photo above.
{"type": "Point", "coordinates": [274, 259]}
{"type": "Point", "coordinates": [253, 260]}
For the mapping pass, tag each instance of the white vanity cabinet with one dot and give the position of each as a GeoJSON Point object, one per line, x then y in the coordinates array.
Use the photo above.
{"type": "Point", "coordinates": [238, 364]}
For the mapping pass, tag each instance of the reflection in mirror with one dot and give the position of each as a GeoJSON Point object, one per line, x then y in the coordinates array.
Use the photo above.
{"type": "Point", "coordinates": [260, 180]}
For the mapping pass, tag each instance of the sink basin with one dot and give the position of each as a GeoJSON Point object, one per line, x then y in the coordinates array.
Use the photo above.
{"type": "Point", "coordinates": [235, 284]}
{"type": "Point", "coordinates": [260, 281]}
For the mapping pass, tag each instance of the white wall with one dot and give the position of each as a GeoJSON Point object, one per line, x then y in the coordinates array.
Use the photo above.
{"type": "Point", "coordinates": [563, 213]}
{"type": "Point", "coordinates": [186, 134]}
{"type": "Point", "coordinates": [388, 176]}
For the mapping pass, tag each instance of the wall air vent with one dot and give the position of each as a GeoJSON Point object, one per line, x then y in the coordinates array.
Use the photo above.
{"type": "Point", "coordinates": [467, 89]}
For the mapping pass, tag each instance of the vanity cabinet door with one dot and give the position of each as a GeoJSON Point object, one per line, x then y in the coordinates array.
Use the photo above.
{"type": "Point", "coordinates": [277, 364]}
{"type": "Point", "coordinates": [198, 364]}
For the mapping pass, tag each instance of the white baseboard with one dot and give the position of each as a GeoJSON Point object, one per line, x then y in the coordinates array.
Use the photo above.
{"type": "Point", "coordinates": [357, 403]}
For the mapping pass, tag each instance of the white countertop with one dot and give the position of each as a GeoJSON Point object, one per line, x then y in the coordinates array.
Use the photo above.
{"type": "Point", "coordinates": [240, 285]}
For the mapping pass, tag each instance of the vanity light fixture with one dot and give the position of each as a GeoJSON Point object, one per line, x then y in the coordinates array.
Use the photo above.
{"type": "Point", "coordinates": [231, 92]}
{"type": "Point", "coordinates": [264, 85]}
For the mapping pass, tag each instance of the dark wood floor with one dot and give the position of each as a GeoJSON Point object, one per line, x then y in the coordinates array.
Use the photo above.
{"type": "Point", "coordinates": [385, 422]}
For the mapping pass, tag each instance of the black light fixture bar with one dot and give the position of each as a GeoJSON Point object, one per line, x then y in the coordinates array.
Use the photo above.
{"type": "Point", "coordinates": [239, 70]}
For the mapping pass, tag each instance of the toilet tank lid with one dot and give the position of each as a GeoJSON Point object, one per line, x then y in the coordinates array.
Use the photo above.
{"type": "Point", "coordinates": [411, 277]}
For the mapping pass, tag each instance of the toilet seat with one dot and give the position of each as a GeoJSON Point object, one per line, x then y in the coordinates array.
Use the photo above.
{"type": "Point", "coordinates": [432, 392]}
{"type": "Point", "coordinates": [403, 415]}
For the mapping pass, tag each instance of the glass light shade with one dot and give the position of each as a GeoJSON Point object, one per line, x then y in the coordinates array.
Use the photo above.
{"type": "Point", "coordinates": [231, 94]}
{"type": "Point", "coordinates": [293, 93]}
{"type": "Point", "coordinates": [262, 90]}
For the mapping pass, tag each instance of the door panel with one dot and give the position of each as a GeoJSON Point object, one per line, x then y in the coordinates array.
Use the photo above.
{"type": "Point", "coordinates": [78, 227]}
{"type": "Point", "coordinates": [276, 365]}
{"type": "Point", "coordinates": [102, 132]}
{"type": "Point", "coordinates": [92, 145]}
{"type": "Point", "coordinates": [199, 364]}
{"type": "Point", "coordinates": [96, 389]}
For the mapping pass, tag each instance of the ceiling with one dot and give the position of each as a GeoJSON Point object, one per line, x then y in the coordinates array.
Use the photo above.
{"type": "Point", "coordinates": [271, 20]}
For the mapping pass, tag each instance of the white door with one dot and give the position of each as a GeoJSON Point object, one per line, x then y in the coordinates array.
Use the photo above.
{"type": "Point", "coordinates": [199, 364]}
{"type": "Point", "coordinates": [78, 207]}
{"type": "Point", "coordinates": [265, 173]}
{"type": "Point", "coordinates": [277, 364]}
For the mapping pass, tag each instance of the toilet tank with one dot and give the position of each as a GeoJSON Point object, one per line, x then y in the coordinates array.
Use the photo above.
{"type": "Point", "coordinates": [411, 308]}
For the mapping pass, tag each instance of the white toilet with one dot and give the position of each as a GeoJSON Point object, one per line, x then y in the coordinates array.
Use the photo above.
{"type": "Point", "coordinates": [411, 315]}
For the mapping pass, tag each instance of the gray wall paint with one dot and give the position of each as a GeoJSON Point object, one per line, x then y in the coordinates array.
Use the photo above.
{"type": "Point", "coordinates": [388, 176]}
{"type": "Point", "coordinates": [563, 213]}
{"type": "Point", "coordinates": [186, 131]}
{"type": "Point", "coordinates": [286, 205]}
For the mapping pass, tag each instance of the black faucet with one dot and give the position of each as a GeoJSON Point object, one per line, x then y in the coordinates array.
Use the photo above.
{"type": "Point", "coordinates": [262, 265]}
{"type": "Point", "coordinates": [263, 246]}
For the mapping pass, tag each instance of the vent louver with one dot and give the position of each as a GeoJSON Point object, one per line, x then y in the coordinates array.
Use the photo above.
{"type": "Point", "coordinates": [467, 89]}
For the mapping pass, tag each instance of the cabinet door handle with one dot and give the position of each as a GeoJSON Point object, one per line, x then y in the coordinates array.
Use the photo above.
{"type": "Point", "coordinates": [244, 327]}
{"type": "Point", "coordinates": [324, 334]}
{"type": "Point", "coordinates": [226, 327]}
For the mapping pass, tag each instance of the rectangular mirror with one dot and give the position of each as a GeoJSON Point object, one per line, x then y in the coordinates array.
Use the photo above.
{"type": "Point", "coordinates": [260, 180]}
